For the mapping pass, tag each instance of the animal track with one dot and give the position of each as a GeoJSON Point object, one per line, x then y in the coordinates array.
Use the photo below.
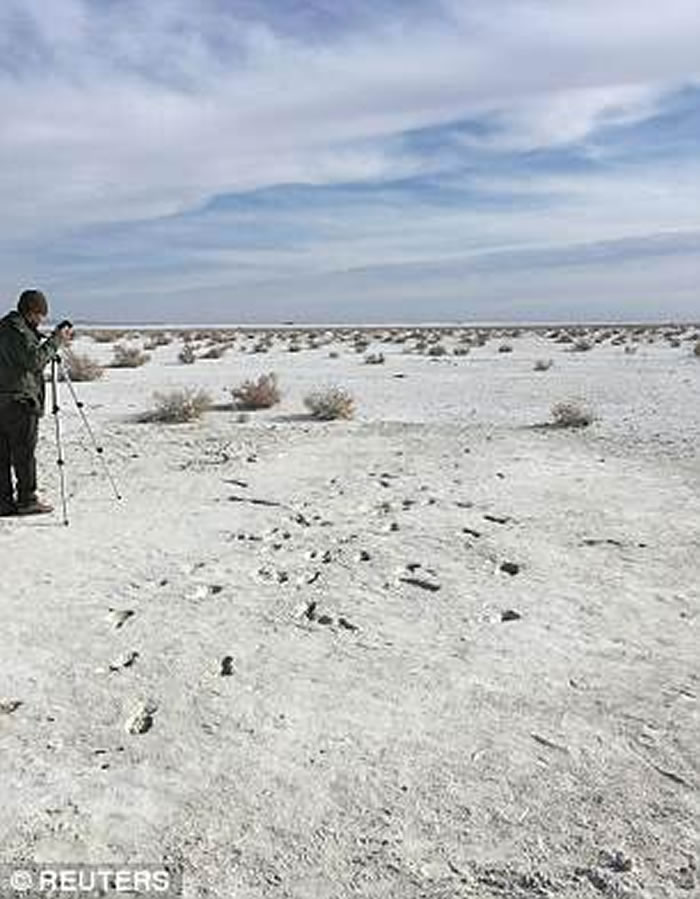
{"type": "Point", "coordinates": [498, 519]}
{"type": "Point", "coordinates": [125, 660]}
{"type": "Point", "coordinates": [417, 576]}
{"type": "Point", "coordinates": [141, 719]}
{"type": "Point", "coordinates": [272, 575]}
{"type": "Point", "coordinates": [119, 617]}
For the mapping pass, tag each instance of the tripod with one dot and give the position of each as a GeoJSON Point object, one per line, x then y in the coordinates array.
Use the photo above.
{"type": "Point", "coordinates": [56, 365]}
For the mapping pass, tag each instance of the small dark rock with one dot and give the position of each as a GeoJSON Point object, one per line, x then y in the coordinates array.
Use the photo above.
{"type": "Point", "coordinates": [226, 666]}
{"type": "Point", "coordinates": [510, 615]}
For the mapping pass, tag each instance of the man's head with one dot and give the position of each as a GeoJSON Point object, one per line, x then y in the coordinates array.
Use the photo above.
{"type": "Point", "coordinates": [33, 306]}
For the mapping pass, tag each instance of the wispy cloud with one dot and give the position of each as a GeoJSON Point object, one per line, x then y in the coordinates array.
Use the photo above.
{"type": "Point", "coordinates": [157, 142]}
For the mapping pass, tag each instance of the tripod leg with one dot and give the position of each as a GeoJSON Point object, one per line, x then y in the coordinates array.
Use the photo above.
{"type": "Point", "coordinates": [59, 447]}
{"type": "Point", "coordinates": [88, 428]}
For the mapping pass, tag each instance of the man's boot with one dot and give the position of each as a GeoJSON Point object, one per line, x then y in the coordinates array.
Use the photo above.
{"type": "Point", "coordinates": [33, 506]}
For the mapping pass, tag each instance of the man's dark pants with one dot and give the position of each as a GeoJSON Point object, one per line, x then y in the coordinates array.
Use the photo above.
{"type": "Point", "coordinates": [19, 427]}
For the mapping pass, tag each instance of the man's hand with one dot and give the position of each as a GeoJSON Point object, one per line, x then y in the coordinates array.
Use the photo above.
{"type": "Point", "coordinates": [64, 332]}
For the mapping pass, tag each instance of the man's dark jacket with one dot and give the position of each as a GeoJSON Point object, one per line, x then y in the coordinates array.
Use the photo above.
{"type": "Point", "coordinates": [23, 357]}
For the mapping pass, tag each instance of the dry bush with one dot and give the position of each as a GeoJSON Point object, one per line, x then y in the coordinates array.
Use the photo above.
{"type": "Point", "coordinates": [461, 350]}
{"type": "Point", "coordinates": [505, 348]}
{"type": "Point", "coordinates": [128, 356]}
{"type": "Point", "coordinates": [260, 394]}
{"type": "Point", "coordinates": [374, 359]}
{"type": "Point", "coordinates": [215, 352]}
{"type": "Point", "coordinates": [178, 406]}
{"type": "Point", "coordinates": [581, 345]}
{"type": "Point", "coordinates": [571, 414]}
{"type": "Point", "coordinates": [186, 354]}
{"type": "Point", "coordinates": [696, 349]}
{"type": "Point", "coordinates": [543, 364]}
{"type": "Point", "coordinates": [105, 336]}
{"type": "Point", "coordinates": [333, 354]}
{"type": "Point", "coordinates": [630, 350]}
{"type": "Point", "coordinates": [330, 403]}
{"type": "Point", "coordinates": [156, 340]}
{"type": "Point", "coordinates": [81, 367]}
{"type": "Point", "coordinates": [294, 348]}
{"type": "Point", "coordinates": [437, 349]}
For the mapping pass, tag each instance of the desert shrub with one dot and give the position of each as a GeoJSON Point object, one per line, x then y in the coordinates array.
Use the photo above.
{"type": "Point", "coordinates": [186, 354]}
{"type": "Point", "coordinates": [330, 403]}
{"type": "Point", "coordinates": [505, 348]}
{"type": "Point", "coordinates": [581, 345]}
{"type": "Point", "coordinates": [178, 406]}
{"type": "Point", "coordinates": [630, 350]}
{"type": "Point", "coordinates": [333, 354]}
{"type": "Point", "coordinates": [260, 394]}
{"type": "Point", "coordinates": [437, 349]}
{"type": "Point", "coordinates": [81, 367]}
{"type": "Point", "coordinates": [156, 340]}
{"type": "Point", "coordinates": [374, 359]}
{"type": "Point", "coordinates": [128, 356]}
{"type": "Point", "coordinates": [294, 348]}
{"type": "Point", "coordinates": [461, 350]}
{"type": "Point", "coordinates": [696, 349]}
{"type": "Point", "coordinates": [104, 336]}
{"type": "Point", "coordinates": [571, 414]}
{"type": "Point", "coordinates": [542, 364]}
{"type": "Point", "coordinates": [215, 352]}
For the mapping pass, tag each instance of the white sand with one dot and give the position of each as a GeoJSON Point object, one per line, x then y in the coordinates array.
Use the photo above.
{"type": "Point", "coordinates": [422, 746]}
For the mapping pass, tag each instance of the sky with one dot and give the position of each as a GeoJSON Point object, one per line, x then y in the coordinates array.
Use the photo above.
{"type": "Point", "coordinates": [351, 160]}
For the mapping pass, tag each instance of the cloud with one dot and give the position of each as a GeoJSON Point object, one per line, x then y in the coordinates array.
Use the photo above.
{"type": "Point", "coordinates": [140, 113]}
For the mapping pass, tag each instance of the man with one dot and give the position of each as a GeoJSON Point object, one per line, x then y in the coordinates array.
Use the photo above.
{"type": "Point", "coordinates": [23, 357]}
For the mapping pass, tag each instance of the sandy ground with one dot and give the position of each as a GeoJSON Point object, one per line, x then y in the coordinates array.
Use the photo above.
{"type": "Point", "coordinates": [339, 689]}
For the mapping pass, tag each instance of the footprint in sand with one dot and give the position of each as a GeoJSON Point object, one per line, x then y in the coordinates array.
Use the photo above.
{"type": "Point", "coordinates": [272, 575]}
{"type": "Point", "coordinates": [141, 719]}
{"type": "Point", "coordinates": [201, 591]}
{"type": "Point", "coordinates": [125, 660]}
{"type": "Point", "coordinates": [416, 575]}
{"type": "Point", "coordinates": [119, 617]}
